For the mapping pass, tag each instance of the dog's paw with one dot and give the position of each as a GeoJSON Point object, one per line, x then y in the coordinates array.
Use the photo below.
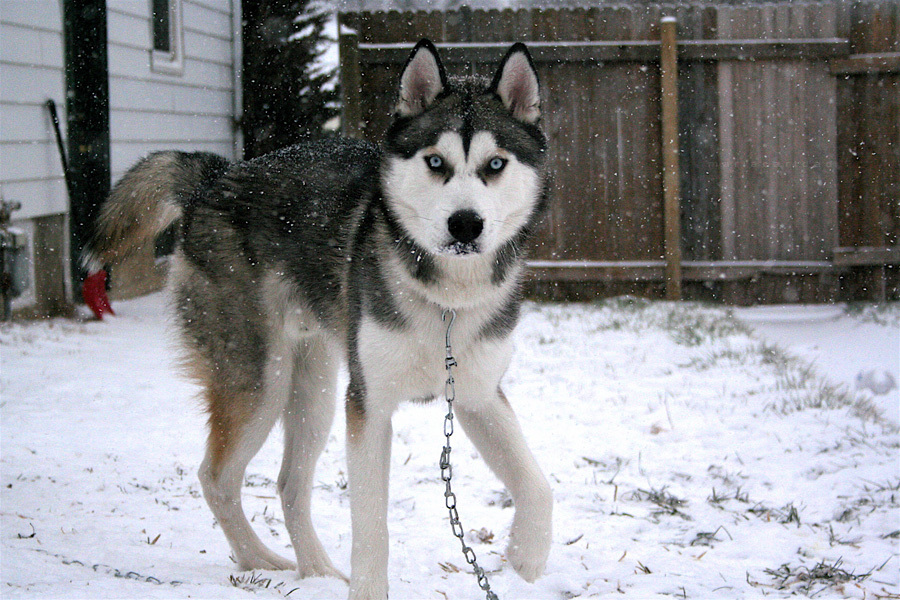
{"type": "Point", "coordinates": [266, 562]}
{"type": "Point", "coordinates": [368, 590]}
{"type": "Point", "coordinates": [527, 565]}
{"type": "Point", "coordinates": [319, 567]}
{"type": "Point", "coordinates": [528, 551]}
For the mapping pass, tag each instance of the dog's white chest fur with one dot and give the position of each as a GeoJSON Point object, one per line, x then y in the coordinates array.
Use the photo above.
{"type": "Point", "coordinates": [401, 365]}
{"type": "Point", "coordinates": [407, 363]}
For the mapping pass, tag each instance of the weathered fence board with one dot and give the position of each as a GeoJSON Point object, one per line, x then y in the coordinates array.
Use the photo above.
{"type": "Point", "coordinates": [789, 135]}
{"type": "Point", "coordinates": [869, 129]}
{"type": "Point", "coordinates": [781, 171]}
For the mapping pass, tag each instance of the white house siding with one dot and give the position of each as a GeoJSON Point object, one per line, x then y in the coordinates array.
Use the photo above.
{"type": "Point", "coordinates": [31, 71]}
{"type": "Point", "coordinates": [191, 110]}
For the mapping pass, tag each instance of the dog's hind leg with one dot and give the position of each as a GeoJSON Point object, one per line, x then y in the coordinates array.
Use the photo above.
{"type": "Point", "coordinates": [492, 426]}
{"type": "Point", "coordinates": [232, 443]}
{"type": "Point", "coordinates": [239, 424]}
{"type": "Point", "coordinates": [307, 421]}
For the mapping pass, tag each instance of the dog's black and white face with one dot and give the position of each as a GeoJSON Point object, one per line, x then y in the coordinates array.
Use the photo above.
{"type": "Point", "coordinates": [465, 170]}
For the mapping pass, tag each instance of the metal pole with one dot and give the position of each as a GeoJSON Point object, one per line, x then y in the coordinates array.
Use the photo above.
{"type": "Point", "coordinates": [671, 188]}
{"type": "Point", "coordinates": [87, 116]}
{"type": "Point", "coordinates": [351, 112]}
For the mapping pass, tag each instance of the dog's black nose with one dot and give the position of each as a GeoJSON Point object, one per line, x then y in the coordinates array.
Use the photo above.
{"type": "Point", "coordinates": [465, 226]}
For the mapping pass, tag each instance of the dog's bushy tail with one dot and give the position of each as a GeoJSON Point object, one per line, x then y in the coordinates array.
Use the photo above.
{"type": "Point", "coordinates": [146, 200]}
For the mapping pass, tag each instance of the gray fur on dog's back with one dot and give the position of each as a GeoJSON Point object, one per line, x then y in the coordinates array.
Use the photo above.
{"type": "Point", "coordinates": [293, 211]}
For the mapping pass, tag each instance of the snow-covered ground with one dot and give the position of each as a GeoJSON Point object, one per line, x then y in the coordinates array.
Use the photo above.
{"type": "Point", "coordinates": [690, 457]}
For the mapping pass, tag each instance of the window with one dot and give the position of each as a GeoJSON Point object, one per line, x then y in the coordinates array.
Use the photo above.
{"type": "Point", "coordinates": [167, 55]}
{"type": "Point", "coordinates": [162, 32]}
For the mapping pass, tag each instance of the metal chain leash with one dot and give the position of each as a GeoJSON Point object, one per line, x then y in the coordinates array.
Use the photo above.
{"type": "Point", "coordinates": [447, 468]}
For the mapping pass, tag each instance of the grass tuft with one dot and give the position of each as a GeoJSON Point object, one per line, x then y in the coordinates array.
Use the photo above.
{"type": "Point", "coordinates": [717, 498]}
{"type": "Point", "coordinates": [687, 323]}
{"type": "Point", "coordinates": [813, 581]}
{"type": "Point", "coordinates": [250, 581]}
{"type": "Point", "coordinates": [784, 515]}
{"type": "Point", "coordinates": [667, 503]}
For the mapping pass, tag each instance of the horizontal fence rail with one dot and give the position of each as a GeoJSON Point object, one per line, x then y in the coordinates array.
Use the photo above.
{"type": "Point", "coordinates": [654, 270]}
{"type": "Point", "coordinates": [637, 51]}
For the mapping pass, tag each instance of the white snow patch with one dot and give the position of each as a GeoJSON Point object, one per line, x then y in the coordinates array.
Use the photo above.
{"type": "Point", "coordinates": [688, 458]}
{"type": "Point", "coordinates": [842, 345]}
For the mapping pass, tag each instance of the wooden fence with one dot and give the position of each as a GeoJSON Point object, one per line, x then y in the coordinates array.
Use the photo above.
{"type": "Point", "coordinates": [788, 149]}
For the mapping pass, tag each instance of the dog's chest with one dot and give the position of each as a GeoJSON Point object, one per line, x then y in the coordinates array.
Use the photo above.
{"type": "Point", "coordinates": [401, 364]}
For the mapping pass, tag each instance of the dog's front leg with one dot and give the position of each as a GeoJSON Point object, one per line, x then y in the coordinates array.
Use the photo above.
{"type": "Point", "coordinates": [368, 464]}
{"type": "Point", "coordinates": [492, 426]}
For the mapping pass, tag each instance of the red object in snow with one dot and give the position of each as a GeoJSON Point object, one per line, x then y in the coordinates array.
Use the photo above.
{"type": "Point", "coordinates": [93, 290]}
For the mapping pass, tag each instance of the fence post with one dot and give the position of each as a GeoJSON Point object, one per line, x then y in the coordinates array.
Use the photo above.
{"type": "Point", "coordinates": [671, 191]}
{"type": "Point", "coordinates": [351, 100]}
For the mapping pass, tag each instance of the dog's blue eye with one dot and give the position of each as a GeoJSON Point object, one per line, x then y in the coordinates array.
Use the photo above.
{"type": "Point", "coordinates": [496, 165]}
{"type": "Point", "coordinates": [435, 162]}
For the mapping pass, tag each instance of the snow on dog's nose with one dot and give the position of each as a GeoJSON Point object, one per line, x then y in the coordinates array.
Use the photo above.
{"type": "Point", "coordinates": [465, 226]}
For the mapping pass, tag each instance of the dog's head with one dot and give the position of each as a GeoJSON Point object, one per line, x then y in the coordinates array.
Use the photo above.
{"type": "Point", "coordinates": [465, 157]}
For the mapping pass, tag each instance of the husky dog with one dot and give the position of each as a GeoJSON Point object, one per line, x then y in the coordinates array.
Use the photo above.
{"type": "Point", "coordinates": [340, 250]}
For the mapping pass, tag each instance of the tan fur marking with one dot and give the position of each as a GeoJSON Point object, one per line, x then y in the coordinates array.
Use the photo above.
{"type": "Point", "coordinates": [220, 435]}
{"type": "Point", "coordinates": [228, 414]}
{"type": "Point", "coordinates": [356, 418]}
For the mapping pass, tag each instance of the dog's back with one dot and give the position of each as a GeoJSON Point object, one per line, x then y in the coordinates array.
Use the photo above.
{"type": "Point", "coordinates": [291, 214]}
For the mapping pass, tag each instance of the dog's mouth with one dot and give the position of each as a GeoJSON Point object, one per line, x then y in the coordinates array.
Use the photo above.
{"type": "Point", "coordinates": [461, 249]}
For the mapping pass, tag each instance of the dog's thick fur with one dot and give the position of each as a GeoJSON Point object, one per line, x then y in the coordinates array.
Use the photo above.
{"type": "Point", "coordinates": [338, 250]}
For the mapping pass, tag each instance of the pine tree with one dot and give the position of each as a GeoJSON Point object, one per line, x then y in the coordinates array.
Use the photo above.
{"type": "Point", "coordinates": [286, 96]}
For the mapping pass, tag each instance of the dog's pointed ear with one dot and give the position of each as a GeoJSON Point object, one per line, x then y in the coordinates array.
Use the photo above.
{"type": "Point", "coordinates": [517, 85]}
{"type": "Point", "coordinates": [423, 79]}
